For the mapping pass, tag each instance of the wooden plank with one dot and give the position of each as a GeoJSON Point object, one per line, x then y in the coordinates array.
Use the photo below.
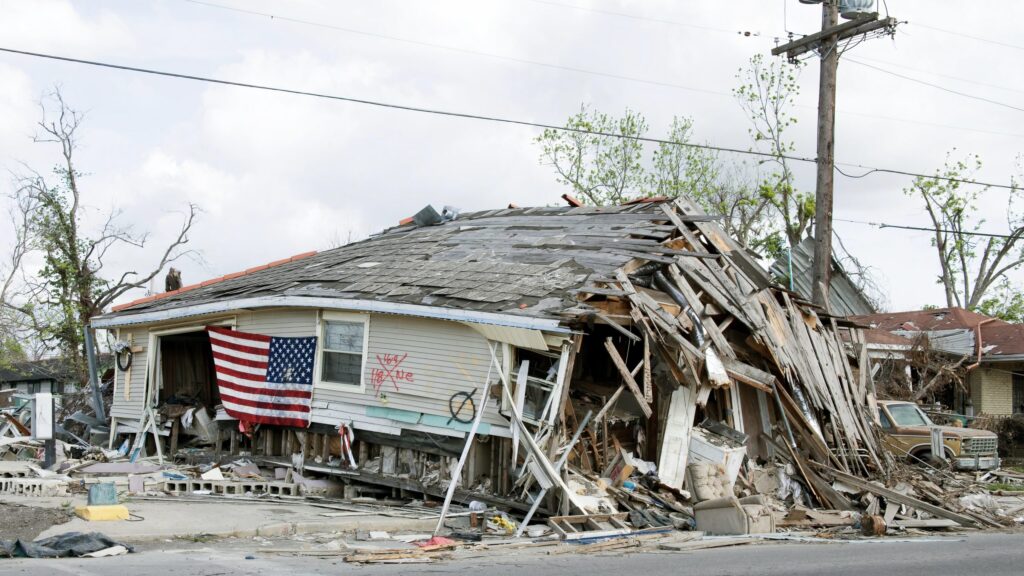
{"type": "Point", "coordinates": [675, 442]}
{"type": "Point", "coordinates": [749, 375]}
{"type": "Point", "coordinates": [648, 381]}
{"type": "Point", "coordinates": [894, 496]}
{"type": "Point", "coordinates": [624, 371]}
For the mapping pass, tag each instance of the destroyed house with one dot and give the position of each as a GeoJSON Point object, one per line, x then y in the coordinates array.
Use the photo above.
{"type": "Point", "coordinates": [985, 353]}
{"type": "Point", "coordinates": [607, 338]}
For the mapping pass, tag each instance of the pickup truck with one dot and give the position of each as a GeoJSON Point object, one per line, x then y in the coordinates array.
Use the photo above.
{"type": "Point", "coordinates": [908, 433]}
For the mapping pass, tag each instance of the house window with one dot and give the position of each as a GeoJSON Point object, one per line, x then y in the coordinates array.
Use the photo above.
{"type": "Point", "coordinates": [343, 349]}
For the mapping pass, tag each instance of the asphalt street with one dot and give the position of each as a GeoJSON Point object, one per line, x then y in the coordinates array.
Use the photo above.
{"type": "Point", "coordinates": [989, 554]}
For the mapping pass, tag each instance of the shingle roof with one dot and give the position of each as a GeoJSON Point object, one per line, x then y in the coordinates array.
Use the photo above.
{"type": "Point", "coordinates": [519, 260]}
{"type": "Point", "coordinates": [925, 320]}
{"type": "Point", "coordinates": [998, 337]}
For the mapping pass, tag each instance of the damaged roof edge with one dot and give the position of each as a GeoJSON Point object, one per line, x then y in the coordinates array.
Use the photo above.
{"type": "Point", "coordinates": [511, 320]}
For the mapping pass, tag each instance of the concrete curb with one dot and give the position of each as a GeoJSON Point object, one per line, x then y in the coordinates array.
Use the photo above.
{"type": "Point", "coordinates": [279, 529]}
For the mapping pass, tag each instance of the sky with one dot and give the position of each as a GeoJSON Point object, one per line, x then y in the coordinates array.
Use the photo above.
{"type": "Point", "coordinates": [277, 174]}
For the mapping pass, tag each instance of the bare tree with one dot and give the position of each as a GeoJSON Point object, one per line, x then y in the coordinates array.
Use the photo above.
{"type": "Point", "coordinates": [970, 265]}
{"type": "Point", "coordinates": [59, 299]}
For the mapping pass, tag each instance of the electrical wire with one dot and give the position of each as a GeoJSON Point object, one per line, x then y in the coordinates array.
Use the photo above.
{"type": "Point", "coordinates": [645, 18]}
{"type": "Point", "coordinates": [963, 35]}
{"type": "Point", "coordinates": [273, 16]}
{"type": "Point", "coordinates": [941, 75]}
{"type": "Point", "coordinates": [925, 229]}
{"type": "Point", "coordinates": [457, 49]}
{"type": "Point", "coordinates": [471, 116]}
{"type": "Point", "coordinates": [937, 86]}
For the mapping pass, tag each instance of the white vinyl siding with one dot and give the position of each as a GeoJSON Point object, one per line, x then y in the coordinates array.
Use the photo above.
{"type": "Point", "coordinates": [412, 364]}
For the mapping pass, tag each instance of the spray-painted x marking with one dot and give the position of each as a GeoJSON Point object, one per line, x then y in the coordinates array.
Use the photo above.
{"type": "Point", "coordinates": [389, 372]}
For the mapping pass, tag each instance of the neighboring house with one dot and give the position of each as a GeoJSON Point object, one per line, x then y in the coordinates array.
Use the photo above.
{"type": "Point", "coordinates": [992, 351]}
{"type": "Point", "coordinates": [52, 375]}
{"type": "Point", "coordinates": [412, 325]}
{"type": "Point", "coordinates": [844, 298]}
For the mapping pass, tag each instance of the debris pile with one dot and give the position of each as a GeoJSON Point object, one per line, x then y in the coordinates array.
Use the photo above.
{"type": "Point", "coordinates": [694, 395]}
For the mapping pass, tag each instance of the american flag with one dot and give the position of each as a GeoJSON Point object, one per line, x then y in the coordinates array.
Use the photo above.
{"type": "Point", "coordinates": [264, 379]}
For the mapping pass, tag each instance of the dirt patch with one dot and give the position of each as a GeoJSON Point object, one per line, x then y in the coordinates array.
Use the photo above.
{"type": "Point", "coordinates": [26, 522]}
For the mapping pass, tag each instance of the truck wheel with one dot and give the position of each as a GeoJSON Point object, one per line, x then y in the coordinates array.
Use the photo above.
{"type": "Point", "coordinates": [926, 457]}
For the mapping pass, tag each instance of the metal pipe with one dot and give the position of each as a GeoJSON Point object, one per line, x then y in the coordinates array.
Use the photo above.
{"type": "Point", "coordinates": [782, 414]}
{"type": "Point", "coordinates": [789, 259]}
{"type": "Point", "coordinates": [94, 381]}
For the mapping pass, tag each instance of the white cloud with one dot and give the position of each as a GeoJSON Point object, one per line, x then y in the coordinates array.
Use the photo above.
{"type": "Point", "coordinates": [304, 172]}
{"type": "Point", "coordinates": [57, 25]}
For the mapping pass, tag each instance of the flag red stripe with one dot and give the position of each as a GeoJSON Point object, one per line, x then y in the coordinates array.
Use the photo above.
{"type": "Point", "coordinates": [240, 361]}
{"type": "Point", "coordinates": [265, 405]}
{"type": "Point", "coordinates": [269, 391]}
{"type": "Point", "coordinates": [240, 335]}
{"type": "Point", "coordinates": [272, 420]}
{"type": "Point", "coordinates": [240, 347]}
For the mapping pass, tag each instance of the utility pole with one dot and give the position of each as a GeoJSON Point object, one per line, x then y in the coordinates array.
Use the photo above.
{"type": "Point", "coordinates": [822, 264]}
{"type": "Point", "coordinates": [827, 43]}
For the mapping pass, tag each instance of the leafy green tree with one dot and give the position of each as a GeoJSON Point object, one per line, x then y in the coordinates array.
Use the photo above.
{"type": "Point", "coordinates": [599, 156]}
{"type": "Point", "coordinates": [766, 93]}
{"type": "Point", "coordinates": [971, 267]}
{"type": "Point", "coordinates": [1006, 301]}
{"type": "Point", "coordinates": [611, 168]}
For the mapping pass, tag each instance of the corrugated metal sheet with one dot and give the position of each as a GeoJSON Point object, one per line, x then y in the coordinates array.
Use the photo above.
{"type": "Point", "coordinates": [845, 299]}
{"type": "Point", "coordinates": [959, 342]}
{"type": "Point", "coordinates": [519, 337]}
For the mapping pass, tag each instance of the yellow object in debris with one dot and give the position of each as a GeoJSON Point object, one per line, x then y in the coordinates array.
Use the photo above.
{"type": "Point", "coordinates": [94, 513]}
{"type": "Point", "coordinates": [504, 523]}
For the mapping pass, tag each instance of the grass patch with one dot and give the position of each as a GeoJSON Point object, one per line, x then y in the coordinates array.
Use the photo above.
{"type": "Point", "coordinates": [1004, 486]}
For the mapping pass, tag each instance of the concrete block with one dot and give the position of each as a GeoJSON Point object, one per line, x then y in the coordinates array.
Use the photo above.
{"type": "Point", "coordinates": [15, 469]}
{"type": "Point", "coordinates": [278, 529]}
{"type": "Point", "coordinates": [102, 513]}
{"type": "Point", "coordinates": [33, 487]}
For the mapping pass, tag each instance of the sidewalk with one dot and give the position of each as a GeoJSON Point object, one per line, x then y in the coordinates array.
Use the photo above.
{"type": "Point", "coordinates": [170, 518]}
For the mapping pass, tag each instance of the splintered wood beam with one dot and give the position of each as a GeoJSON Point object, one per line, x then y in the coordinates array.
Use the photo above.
{"type": "Point", "coordinates": [749, 375]}
{"type": "Point", "coordinates": [608, 405]}
{"type": "Point", "coordinates": [900, 498]}
{"type": "Point", "coordinates": [648, 380]}
{"type": "Point", "coordinates": [624, 371]}
{"type": "Point", "coordinates": [611, 322]}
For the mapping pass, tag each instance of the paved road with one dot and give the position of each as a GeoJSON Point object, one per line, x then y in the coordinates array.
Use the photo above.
{"type": "Point", "coordinates": [987, 554]}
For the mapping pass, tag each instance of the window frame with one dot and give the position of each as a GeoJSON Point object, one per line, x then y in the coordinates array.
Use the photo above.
{"type": "Point", "coordinates": [322, 319]}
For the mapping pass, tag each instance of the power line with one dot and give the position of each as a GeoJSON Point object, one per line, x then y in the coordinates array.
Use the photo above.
{"type": "Point", "coordinates": [937, 86]}
{"type": "Point", "coordinates": [324, 25]}
{"type": "Point", "coordinates": [941, 75]}
{"type": "Point", "coordinates": [458, 49]}
{"type": "Point", "coordinates": [471, 116]}
{"type": "Point", "coordinates": [962, 35]}
{"type": "Point", "coordinates": [932, 230]}
{"type": "Point", "coordinates": [645, 18]}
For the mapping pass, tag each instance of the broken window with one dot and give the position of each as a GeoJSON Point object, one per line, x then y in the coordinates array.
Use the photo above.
{"type": "Point", "coordinates": [540, 383]}
{"type": "Point", "coordinates": [342, 343]}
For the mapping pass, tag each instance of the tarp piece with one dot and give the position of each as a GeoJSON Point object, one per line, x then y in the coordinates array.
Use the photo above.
{"type": "Point", "coordinates": [69, 544]}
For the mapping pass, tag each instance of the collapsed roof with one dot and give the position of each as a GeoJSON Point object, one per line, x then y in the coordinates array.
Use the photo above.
{"type": "Point", "coordinates": [524, 261]}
